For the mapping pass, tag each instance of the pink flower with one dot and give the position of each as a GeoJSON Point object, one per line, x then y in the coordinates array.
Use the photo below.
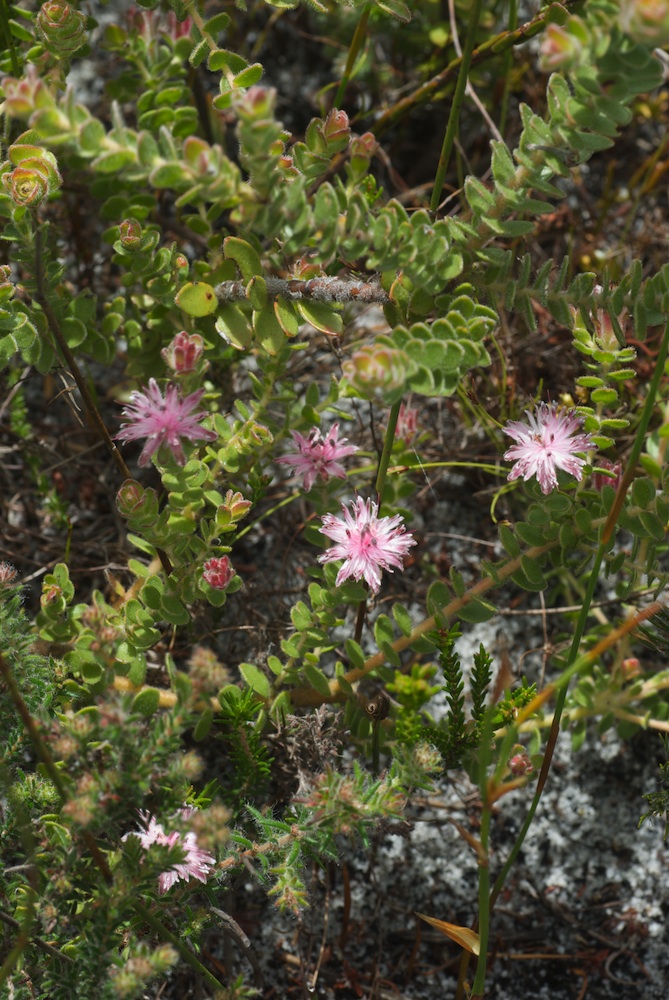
{"type": "Point", "coordinates": [318, 457]}
{"type": "Point", "coordinates": [365, 542]}
{"type": "Point", "coordinates": [197, 863]}
{"type": "Point", "coordinates": [546, 446]}
{"type": "Point", "coordinates": [218, 572]}
{"type": "Point", "coordinates": [163, 421]}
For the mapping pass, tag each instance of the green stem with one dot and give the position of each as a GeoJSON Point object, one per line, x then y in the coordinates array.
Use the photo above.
{"type": "Point", "coordinates": [572, 660]}
{"type": "Point", "coordinates": [356, 45]}
{"type": "Point", "coordinates": [506, 67]}
{"type": "Point", "coordinates": [484, 901]}
{"type": "Point", "coordinates": [384, 461]}
{"type": "Point", "coordinates": [185, 952]}
{"type": "Point", "coordinates": [82, 385]}
{"type": "Point", "coordinates": [458, 96]}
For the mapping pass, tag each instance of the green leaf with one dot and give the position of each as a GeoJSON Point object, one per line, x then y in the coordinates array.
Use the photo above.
{"type": "Point", "coordinates": [477, 611]}
{"type": "Point", "coordinates": [301, 616]}
{"type": "Point", "coordinates": [643, 492]}
{"type": "Point", "coordinates": [203, 724]}
{"type": "Point", "coordinates": [146, 702]}
{"type": "Point", "coordinates": [508, 540]}
{"type": "Point", "coordinates": [317, 679]}
{"type": "Point", "coordinates": [255, 679]}
{"type": "Point", "coordinates": [321, 316]}
{"type": "Point", "coordinates": [197, 298]}
{"type": "Point", "coordinates": [403, 618]}
{"type": "Point", "coordinates": [532, 571]}
{"type": "Point", "coordinates": [244, 256]}
{"type": "Point", "coordinates": [355, 654]}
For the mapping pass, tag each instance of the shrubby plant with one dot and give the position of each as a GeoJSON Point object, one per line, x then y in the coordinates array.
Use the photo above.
{"type": "Point", "coordinates": [233, 252]}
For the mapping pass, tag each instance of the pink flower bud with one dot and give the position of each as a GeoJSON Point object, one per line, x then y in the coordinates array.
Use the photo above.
{"type": "Point", "coordinates": [184, 353]}
{"type": "Point", "coordinates": [336, 125]}
{"type": "Point", "coordinates": [519, 762]}
{"type": "Point", "coordinates": [7, 574]}
{"type": "Point", "coordinates": [218, 572]}
{"type": "Point", "coordinates": [600, 479]}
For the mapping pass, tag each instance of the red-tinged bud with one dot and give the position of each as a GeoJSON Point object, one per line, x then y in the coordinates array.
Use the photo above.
{"type": "Point", "coordinates": [362, 149]}
{"type": "Point", "coordinates": [646, 21]}
{"type": "Point", "coordinates": [255, 103]}
{"type": "Point", "coordinates": [176, 29]}
{"type": "Point", "coordinates": [376, 370]}
{"type": "Point", "coordinates": [304, 269]}
{"type": "Point", "coordinates": [218, 572]}
{"type": "Point", "coordinates": [26, 185]}
{"type": "Point", "coordinates": [183, 354]}
{"type": "Point", "coordinates": [563, 45]}
{"type": "Point", "coordinates": [336, 125]}
{"type": "Point", "coordinates": [520, 763]}
{"type": "Point", "coordinates": [599, 477]}
{"type": "Point", "coordinates": [631, 668]}
{"type": "Point", "coordinates": [197, 154]}
{"type": "Point", "coordinates": [7, 574]}
{"type": "Point", "coordinates": [130, 234]}
{"type": "Point", "coordinates": [287, 166]}
{"type": "Point", "coordinates": [62, 28]}
{"type": "Point", "coordinates": [132, 499]}
{"type": "Point", "coordinates": [24, 96]}
{"type": "Point", "coordinates": [52, 594]}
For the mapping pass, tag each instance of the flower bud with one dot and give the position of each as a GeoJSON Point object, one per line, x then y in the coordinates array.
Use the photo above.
{"type": "Point", "coordinates": [519, 762]}
{"type": "Point", "coordinates": [335, 126]}
{"type": "Point", "coordinates": [197, 154]}
{"type": "Point", "coordinates": [7, 574]}
{"type": "Point", "coordinates": [24, 96]}
{"type": "Point", "coordinates": [255, 104]}
{"type": "Point", "coordinates": [407, 425]}
{"type": "Point", "coordinates": [130, 234]}
{"type": "Point", "coordinates": [600, 479]}
{"type": "Point", "coordinates": [363, 148]}
{"type": "Point", "coordinates": [62, 28]}
{"type": "Point", "coordinates": [218, 572]}
{"type": "Point", "coordinates": [377, 370]}
{"type": "Point", "coordinates": [563, 45]}
{"type": "Point", "coordinates": [646, 21]}
{"type": "Point", "coordinates": [26, 185]}
{"type": "Point", "coordinates": [183, 354]}
{"type": "Point", "coordinates": [133, 499]}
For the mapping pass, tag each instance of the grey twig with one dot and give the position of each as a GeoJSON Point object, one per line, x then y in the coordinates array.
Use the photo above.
{"type": "Point", "coordinates": [321, 289]}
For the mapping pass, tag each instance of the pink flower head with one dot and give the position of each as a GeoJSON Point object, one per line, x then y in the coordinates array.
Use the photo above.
{"type": "Point", "coordinates": [196, 864]}
{"type": "Point", "coordinates": [163, 421]}
{"type": "Point", "coordinates": [367, 543]}
{"type": "Point", "coordinates": [318, 457]}
{"type": "Point", "coordinates": [218, 572]}
{"type": "Point", "coordinates": [546, 445]}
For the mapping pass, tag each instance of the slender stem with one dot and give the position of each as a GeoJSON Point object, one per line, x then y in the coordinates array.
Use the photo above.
{"type": "Point", "coordinates": [356, 44]}
{"type": "Point", "coordinates": [384, 461]}
{"type": "Point", "coordinates": [506, 66]}
{"type": "Point", "coordinates": [572, 661]}
{"type": "Point", "coordinates": [484, 910]}
{"type": "Point", "coordinates": [458, 96]}
{"type": "Point", "coordinates": [82, 385]}
{"type": "Point", "coordinates": [177, 943]}
{"type": "Point", "coordinates": [31, 727]}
